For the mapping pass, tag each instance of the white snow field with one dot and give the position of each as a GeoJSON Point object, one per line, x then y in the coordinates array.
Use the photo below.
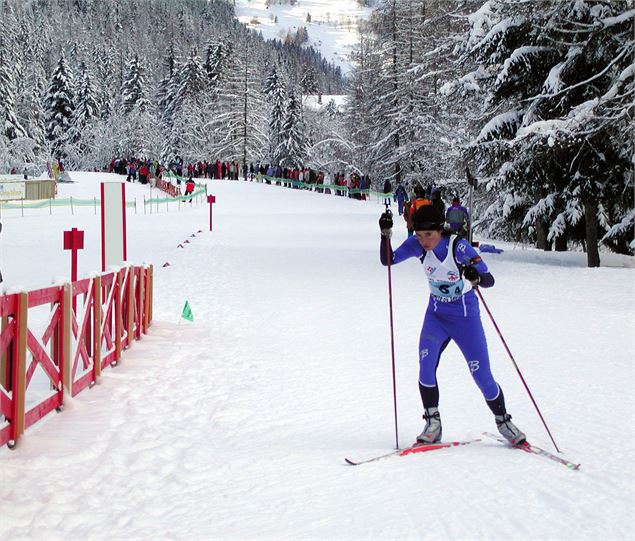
{"type": "Point", "coordinates": [332, 29]}
{"type": "Point", "coordinates": [236, 426]}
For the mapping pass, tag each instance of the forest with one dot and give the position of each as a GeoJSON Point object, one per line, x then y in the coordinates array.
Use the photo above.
{"type": "Point", "coordinates": [532, 100]}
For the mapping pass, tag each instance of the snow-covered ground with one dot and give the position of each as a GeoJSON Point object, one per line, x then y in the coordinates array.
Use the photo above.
{"type": "Point", "coordinates": [236, 426]}
{"type": "Point", "coordinates": [332, 28]}
{"type": "Point", "coordinates": [313, 102]}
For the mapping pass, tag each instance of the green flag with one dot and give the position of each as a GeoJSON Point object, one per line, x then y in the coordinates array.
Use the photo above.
{"type": "Point", "coordinates": [187, 312]}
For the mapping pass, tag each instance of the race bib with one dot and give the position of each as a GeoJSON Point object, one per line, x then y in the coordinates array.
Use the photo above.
{"type": "Point", "coordinates": [446, 291]}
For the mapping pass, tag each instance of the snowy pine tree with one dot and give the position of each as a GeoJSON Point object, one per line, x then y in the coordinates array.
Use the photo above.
{"type": "Point", "coordinates": [218, 59]}
{"type": "Point", "coordinates": [292, 149]}
{"type": "Point", "coordinates": [309, 83]}
{"type": "Point", "coordinates": [134, 92]}
{"type": "Point", "coordinates": [35, 121]}
{"type": "Point", "coordinates": [556, 143]}
{"type": "Point", "coordinates": [395, 114]}
{"type": "Point", "coordinates": [366, 111]}
{"type": "Point", "coordinates": [103, 62]}
{"type": "Point", "coordinates": [11, 127]}
{"type": "Point", "coordinates": [87, 108]}
{"type": "Point", "coordinates": [184, 100]}
{"type": "Point", "coordinates": [59, 108]}
{"type": "Point", "coordinates": [275, 91]}
{"type": "Point", "coordinates": [239, 125]}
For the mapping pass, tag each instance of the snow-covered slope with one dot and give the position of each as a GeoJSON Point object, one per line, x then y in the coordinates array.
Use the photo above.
{"type": "Point", "coordinates": [332, 27]}
{"type": "Point", "coordinates": [236, 426]}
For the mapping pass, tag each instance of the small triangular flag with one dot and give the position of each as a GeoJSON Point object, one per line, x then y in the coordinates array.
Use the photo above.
{"type": "Point", "coordinates": [192, 235]}
{"type": "Point", "coordinates": [180, 246]}
{"type": "Point", "coordinates": [166, 264]}
{"type": "Point", "coordinates": [187, 312]}
{"type": "Point", "coordinates": [186, 242]}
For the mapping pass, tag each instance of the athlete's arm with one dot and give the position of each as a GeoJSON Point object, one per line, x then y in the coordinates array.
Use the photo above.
{"type": "Point", "coordinates": [467, 258]}
{"type": "Point", "coordinates": [409, 248]}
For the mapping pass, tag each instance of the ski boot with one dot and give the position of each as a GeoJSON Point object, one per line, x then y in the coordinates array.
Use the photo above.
{"type": "Point", "coordinates": [432, 431]}
{"type": "Point", "coordinates": [509, 430]}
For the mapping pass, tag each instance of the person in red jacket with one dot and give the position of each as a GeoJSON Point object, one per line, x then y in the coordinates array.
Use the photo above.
{"type": "Point", "coordinates": [189, 187]}
{"type": "Point", "coordinates": [144, 171]}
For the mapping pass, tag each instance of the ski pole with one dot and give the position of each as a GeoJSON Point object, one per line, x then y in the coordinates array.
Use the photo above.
{"type": "Point", "coordinates": [516, 366]}
{"type": "Point", "coordinates": [392, 336]}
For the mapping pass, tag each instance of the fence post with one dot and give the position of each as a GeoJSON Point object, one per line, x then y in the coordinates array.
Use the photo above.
{"type": "Point", "coordinates": [150, 295]}
{"type": "Point", "coordinates": [144, 311]}
{"type": "Point", "coordinates": [130, 322]}
{"type": "Point", "coordinates": [4, 375]}
{"type": "Point", "coordinates": [66, 330]}
{"type": "Point", "coordinates": [118, 313]}
{"type": "Point", "coordinates": [97, 326]}
{"type": "Point", "coordinates": [141, 302]}
{"type": "Point", "coordinates": [18, 385]}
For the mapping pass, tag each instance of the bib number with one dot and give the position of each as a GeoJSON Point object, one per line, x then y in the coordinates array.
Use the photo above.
{"type": "Point", "coordinates": [446, 291]}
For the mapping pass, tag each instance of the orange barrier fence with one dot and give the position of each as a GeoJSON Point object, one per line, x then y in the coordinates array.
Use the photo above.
{"type": "Point", "coordinates": [48, 349]}
{"type": "Point", "coordinates": [168, 188]}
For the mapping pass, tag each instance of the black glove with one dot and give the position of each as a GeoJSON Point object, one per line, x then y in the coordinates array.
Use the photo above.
{"type": "Point", "coordinates": [471, 274]}
{"type": "Point", "coordinates": [385, 220]}
{"type": "Point", "coordinates": [385, 223]}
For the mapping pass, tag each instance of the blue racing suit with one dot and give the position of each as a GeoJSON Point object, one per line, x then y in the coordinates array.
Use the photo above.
{"type": "Point", "coordinates": [452, 314]}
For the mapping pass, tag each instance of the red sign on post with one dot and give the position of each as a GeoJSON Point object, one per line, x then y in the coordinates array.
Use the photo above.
{"type": "Point", "coordinates": [211, 199]}
{"type": "Point", "coordinates": [73, 241]}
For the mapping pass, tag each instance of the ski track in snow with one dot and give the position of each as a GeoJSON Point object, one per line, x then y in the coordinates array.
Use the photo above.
{"type": "Point", "coordinates": [236, 426]}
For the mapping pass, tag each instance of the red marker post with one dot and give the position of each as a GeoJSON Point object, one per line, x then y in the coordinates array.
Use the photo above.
{"type": "Point", "coordinates": [74, 241]}
{"type": "Point", "coordinates": [211, 199]}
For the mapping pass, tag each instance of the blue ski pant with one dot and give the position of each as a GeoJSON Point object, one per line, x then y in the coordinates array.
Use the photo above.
{"type": "Point", "coordinates": [467, 333]}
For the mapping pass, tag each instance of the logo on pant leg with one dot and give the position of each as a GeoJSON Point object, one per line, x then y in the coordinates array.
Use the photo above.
{"type": "Point", "coordinates": [423, 354]}
{"type": "Point", "coordinates": [473, 366]}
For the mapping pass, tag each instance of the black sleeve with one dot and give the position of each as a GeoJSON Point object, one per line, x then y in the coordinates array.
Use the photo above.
{"type": "Point", "coordinates": [384, 248]}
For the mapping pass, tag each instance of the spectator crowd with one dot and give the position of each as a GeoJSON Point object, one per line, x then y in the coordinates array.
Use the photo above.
{"type": "Point", "coordinates": [409, 198]}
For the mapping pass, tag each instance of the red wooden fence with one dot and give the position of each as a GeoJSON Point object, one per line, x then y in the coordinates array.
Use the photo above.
{"type": "Point", "coordinates": [168, 187]}
{"type": "Point", "coordinates": [43, 339]}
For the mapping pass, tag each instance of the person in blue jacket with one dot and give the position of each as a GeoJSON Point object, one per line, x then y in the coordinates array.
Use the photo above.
{"type": "Point", "coordinates": [401, 195]}
{"type": "Point", "coordinates": [454, 270]}
{"type": "Point", "coordinates": [457, 217]}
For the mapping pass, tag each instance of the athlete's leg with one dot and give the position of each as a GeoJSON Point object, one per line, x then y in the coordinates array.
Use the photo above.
{"type": "Point", "coordinates": [432, 341]}
{"type": "Point", "coordinates": [468, 334]}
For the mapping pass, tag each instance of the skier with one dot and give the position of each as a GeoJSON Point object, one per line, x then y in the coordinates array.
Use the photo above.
{"type": "Point", "coordinates": [387, 193]}
{"type": "Point", "coordinates": [190, 185]}
{"type": "Point", "coordinates": [453, 269]}
{"type": "Point", "coordinates": [437, 202]}
{"type": "Point", "coordinates": [457, 217]}
{"type": "Point", "coordinates": [401, 195]}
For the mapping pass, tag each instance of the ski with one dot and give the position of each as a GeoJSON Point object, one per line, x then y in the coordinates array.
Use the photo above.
{"type": "Point", "coordinates": [533, 450]}
{"type": "Point", "coordinates": [417, 447]}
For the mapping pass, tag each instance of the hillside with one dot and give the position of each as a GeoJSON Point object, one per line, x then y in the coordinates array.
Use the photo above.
{"type": "Point", "coordinates": [332, 26]}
